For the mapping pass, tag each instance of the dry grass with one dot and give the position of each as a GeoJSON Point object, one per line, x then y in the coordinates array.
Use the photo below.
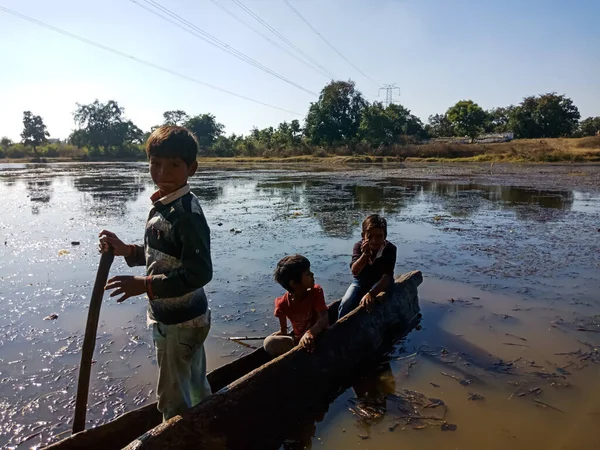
{"type": "Point", "coordinates": [521, 150]}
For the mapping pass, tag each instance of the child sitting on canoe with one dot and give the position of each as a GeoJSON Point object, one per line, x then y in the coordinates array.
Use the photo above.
{"type": "Point", "coordinates": [176, 253]}
{"type": "Point", "coordinates": [303, 304]}
{"type": "Point", "coordinates": [373, 261]}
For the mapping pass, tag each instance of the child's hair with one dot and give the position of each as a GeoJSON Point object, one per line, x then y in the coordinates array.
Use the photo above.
{"type": "Point", "coordinates": [171, 141]}
{"type": "Point", "coordinates": [291, 268]}
{"type": "Point", "coordinates": [374, 221]}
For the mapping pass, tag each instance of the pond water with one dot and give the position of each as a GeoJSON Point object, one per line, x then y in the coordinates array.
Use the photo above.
{"type": "Point", "coordinates": [511, 274]}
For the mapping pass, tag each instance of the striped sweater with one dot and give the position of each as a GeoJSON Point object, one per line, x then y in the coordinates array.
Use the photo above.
{"type": "Point", "coordinates": [176, 253]}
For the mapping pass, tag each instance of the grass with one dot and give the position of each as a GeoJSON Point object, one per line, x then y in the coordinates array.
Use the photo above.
{"type": "Point", "coordinates": [578, 150]}
{"type": "Point", "coordinates": [517, 151]}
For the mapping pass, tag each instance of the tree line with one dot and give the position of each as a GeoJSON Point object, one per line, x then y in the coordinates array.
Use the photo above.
{"type": "Point", "coordinates": [341, 119]}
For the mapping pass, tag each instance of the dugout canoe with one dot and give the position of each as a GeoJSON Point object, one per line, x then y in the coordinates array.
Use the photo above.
{"type": "Point", "coordinates": [254, 393]}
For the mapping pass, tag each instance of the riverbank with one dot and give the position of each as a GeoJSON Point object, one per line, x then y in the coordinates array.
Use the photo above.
{"type": "Point", "coordinates": [582, 150]}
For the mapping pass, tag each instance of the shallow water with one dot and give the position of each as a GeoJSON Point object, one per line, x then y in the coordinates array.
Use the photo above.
{"type": "Point", "coordinates": [503, 265]}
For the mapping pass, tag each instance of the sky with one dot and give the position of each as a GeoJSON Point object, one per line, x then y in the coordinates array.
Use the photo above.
{"type": "Point", "coordinates": [436, 51]}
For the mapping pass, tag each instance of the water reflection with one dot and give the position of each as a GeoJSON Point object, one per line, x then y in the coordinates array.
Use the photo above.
{"type": "Point", "coordinates": [339, 206]}
{"type": "Point", "coordinates": [39, 193]}
{"type": "Point", "coordinates": [337, 203]}
{"type": "Point", "coordinates": [208, 193]}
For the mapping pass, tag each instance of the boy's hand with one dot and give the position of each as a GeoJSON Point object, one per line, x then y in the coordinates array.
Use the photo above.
{"type": "Point", "coordinates": [108, 239]}
{"type": "Point", "coordinates": [308, 342]}
{"type": "Point", "coordinates": [365, 248]}
{"type": "Point", "coordinates": [368, 301]}
{"type": "Point", "coordinates": [127, 285]}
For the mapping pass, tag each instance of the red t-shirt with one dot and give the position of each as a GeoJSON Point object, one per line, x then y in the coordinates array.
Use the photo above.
{"type": "Point", "coordinates": [302, 314]}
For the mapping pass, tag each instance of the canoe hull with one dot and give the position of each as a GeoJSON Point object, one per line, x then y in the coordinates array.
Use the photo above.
{"type": "Point", "coordinates": [261, 409]}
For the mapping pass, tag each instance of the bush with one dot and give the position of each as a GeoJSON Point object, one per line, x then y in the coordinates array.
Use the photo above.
{"type": "Point", "coordinates": [17, 151]}
{"type": "Point", "coordinates": [49, 151]}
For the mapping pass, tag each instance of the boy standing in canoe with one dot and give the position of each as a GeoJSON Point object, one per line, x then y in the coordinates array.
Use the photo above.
{"type": "Point", "coordinates": [373, 261]}
{"type": "Point", "coordinates": [303, 304]}
{"type": "Point", "coordinates": [176, 253]}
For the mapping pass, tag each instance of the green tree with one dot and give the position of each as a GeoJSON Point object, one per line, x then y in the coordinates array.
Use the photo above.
{"type": "Point", "coordinates": [590, 126]}
{"type": "Point", "coordinates": [498, 119]}
{"type": "Point", "coordinates": [376, 126]}
{"type": "Point", "coordinates": [467, 118]}
{"type": "Point", "coordinates": [5, 142]}
{"type": "Point", "coordinates": [224, 146]}
{"type": "Point", "coordinates": [34, 131]}
{"type": "Point", "coordinates": [175, 117]}
{"type": "Point", "coordinates": [207, 130]}
{"type": "Point", "coordinates": [439, 126]}
{"type": "Point", "coordinates": [104, 126]}
{"type": "Point", "coordinates": [286, 135]}
{"type": "Point", "coordinates": [545, 116]}
{"type": "Point", "coordinates": [335, 118]}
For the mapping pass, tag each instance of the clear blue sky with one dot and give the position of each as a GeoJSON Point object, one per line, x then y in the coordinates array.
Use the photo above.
{"type": "Point", "coordinates": [437, 51]}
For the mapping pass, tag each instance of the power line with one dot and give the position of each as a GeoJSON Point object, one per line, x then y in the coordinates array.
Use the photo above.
{"type": "Point", "coordinates": [214, 41]}
{"type": "Point", "coordinates": [139, 60]}
{"type": "Point", "coordinates": [327, 42]}
{"type": "Point", "coordinates": [242, 21]}
{"type": "Point", "coordinates": [280, 36]}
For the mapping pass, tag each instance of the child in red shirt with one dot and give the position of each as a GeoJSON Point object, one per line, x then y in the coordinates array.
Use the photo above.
{"type": "Point", "coordinates": [303, 304]}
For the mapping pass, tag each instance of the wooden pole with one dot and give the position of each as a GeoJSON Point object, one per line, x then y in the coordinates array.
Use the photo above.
{"type": "Point", "coordinates": [89, 341]}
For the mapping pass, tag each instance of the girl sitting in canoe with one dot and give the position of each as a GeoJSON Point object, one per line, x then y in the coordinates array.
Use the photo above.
{"type": "Point", "coordinates": [303, 304]}
{"type": "Point", "coordinates": [373, 261]}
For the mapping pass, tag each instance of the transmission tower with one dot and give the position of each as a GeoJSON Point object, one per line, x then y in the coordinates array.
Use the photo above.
{"type": "Point", "coordinates": [389, 93]}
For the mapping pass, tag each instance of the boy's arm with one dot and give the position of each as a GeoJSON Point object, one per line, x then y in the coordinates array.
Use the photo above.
{"type": "Point", "coordinates": [136, 257]}
{"type": "Point", "coordinates": [384, 282]}
{"type": "Point", "coordinates": [282, 325]}
{"type": "Point", "coordinates": [133, 254]}
{"type": "Point", "coordinates": [388, 272]}
{"type": "Point", "coordinates": [359, 259]}
{"type": "Point", "coordinates": [321, 324]}
{"type": "Point", "coordinates": [321, 309]}
{"type": "Point", "coordinates": [196, 265]}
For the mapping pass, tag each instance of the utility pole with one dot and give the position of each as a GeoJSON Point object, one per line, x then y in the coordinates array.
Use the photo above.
{"type": "Point", "coordinates": [389, 93]}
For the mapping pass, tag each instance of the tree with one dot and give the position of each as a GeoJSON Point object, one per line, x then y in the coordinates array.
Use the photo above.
{"type": "Point", "coordinates": [206, 128]}
{"type": "Point", "coordinates": [498, 119]}
{"type": "Point", "coordinates": [34, 131]}
{"type": "Point", "coordinates": [385, 125]}
{"type": "Point", "coordinates": [590, 126]}
{"type": "Point", "coordinates": [5, 142]}
{"type": "Point", "coordinates": [335, 117]}
{"type": "Point", "coordinates": [175, 117]}
{"type": "Point", "coordinates": [439, 126]}
{"type": "Point", "coordinates": [467, 118]}
{"type": "Point", "coordinates": [225, 146]}
{"type": "Point", "coordinates": [104, 126]}
{"type": "Point", "coordinates": [546, 116]}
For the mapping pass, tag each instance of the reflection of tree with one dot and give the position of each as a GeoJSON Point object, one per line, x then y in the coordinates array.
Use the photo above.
{"type": "Point", "coordinates": [338, 206]}
{"type": "Point", "coordinates": [463, 200]}
{"type": "Point", "coordinates": [110, 188]}
{"type": "Point", "coordinates": [208, 193]}
{"type": "Point", "coordinates": [532, 204]}
{"type": "Point", "coordinates": [39, 193]}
